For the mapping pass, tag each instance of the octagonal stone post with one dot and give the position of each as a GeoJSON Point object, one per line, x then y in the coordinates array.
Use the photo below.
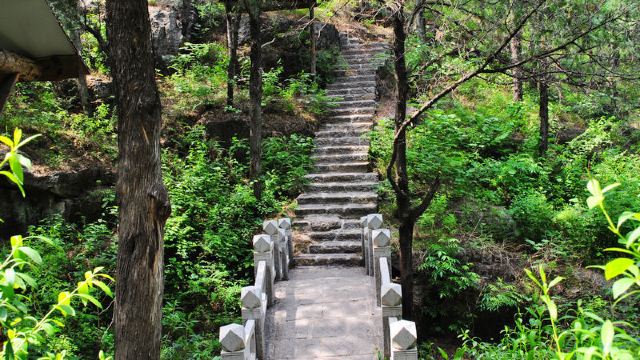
{"type": "Point", "coordinates": [270, 228]}
{"type": "Point", "coordinates": [232, 339]}
{"type": "Point", "coordinates": [285, 223]}
{"type": "Point", "coordinates": [374, 222]}
{"type": "Point", "coordinates": [254, 307]}
{"type": "Point", "coordinates": [403, 340]}
{"type": "Point", "coordinates": [381, 239]}
{"type": "Point", "coordinates": [391, 300]}
{"type": "Point", "coordinates": [263, 252]}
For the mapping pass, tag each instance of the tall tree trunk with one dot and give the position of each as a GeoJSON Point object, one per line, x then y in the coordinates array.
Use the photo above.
{"type": "Point", "coordinates": [255, 93]}
{"type": "Point", "coordinates": [421, 24]}
{"type": "Point", "coordinates": [403, 200]}
{"type": "Point", "coordinates": [142, 198]}
{"type": "Point", "coordinates": [543, 112]}
{"type": "Point", "coordinates": [83, 89]}
{"type": "Point", "coordinates": [312, 37]}
{"type": "Point", "coordinates": [515, 46]}
{"type": "Point", "coordinates": [233, 17]}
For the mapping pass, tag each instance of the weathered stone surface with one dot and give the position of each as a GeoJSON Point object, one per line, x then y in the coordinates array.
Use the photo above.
{"type": "Point", "coordinates": [403, 334]}
{"type": "Point", "coordinates": [251, 297]}
{"type": "Point", "coordinates": [391, 294]}
{"type": "Point", "coordinates": [232, 337]}
{"type": "Point", "coordinates": [381, 237]}
{"type": "Point", "coordinates": [262, 243]}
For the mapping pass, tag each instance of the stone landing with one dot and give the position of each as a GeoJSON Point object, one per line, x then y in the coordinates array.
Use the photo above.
{"type": "Point", "coordinates": [324, 313]}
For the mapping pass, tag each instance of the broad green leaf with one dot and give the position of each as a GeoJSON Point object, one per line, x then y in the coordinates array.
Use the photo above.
{"type": "Point", "coordinates": [104, 287]}
{"type": "Point", "coordinates": [5, 140]}
{"type": "Point", "coordinates": [66, 310]}
{"type": "Point", "coordinates": [616, 267]}
{"type": "Point", "coordinates": [621, 286]}
{"type": "Point", "coordinates": [606, 336]}
{"type": "Point", "coordinates": [27, 140]}
{"type": "Point", "coordinates": [624, 217]}
{"type": "Point", "coordinates": [24, 161]}
{"type": "Point", "coordinates": [10, 276]}
{"type": "Point", "coordinates": [16, 241]}
{"type": "Point", "coordinates": [610, 187]}
{"type": "Point", "coordinates": [555, 281]}
{"type": "Point", "coordinates": [48, 328]}
{"type": "Point", "coordinates": [90, 298]}
{"type": "Point", "coordinates": [83, 288]}
{"type": "Point", "coordinates": [28, 279]}
{"type": "Point", "coordinates": [14, 180]}
{"type": "Point", "coordinates": [16, 167]}
{"type": "Point", "coordinates": [64, 298]}
{"type": "Point", "coordinates": [17, 136]}
{"type": "Point", "coordinates": [3, 314]}
{"type": "Point", "coordinates": [633, 236]}
{"type": "Point", "coordinates": [32, 254]}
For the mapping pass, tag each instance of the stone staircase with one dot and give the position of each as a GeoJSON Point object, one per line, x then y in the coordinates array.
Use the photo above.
{"type": "Point", "coordinates": [342, 189]}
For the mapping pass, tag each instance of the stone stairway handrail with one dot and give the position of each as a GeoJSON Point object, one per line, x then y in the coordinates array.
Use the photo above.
{"type": "Point", "coordinates": [400, 336]}
{"type": "Point", "coordinates": [272, 259]}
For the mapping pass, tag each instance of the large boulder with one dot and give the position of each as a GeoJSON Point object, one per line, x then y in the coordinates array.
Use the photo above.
{"type": "Point", "coordinates": [166, 32]}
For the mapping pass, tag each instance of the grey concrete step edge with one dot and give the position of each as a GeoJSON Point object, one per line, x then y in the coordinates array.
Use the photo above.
{"type": "Point", "coordinates": [328, 259]}
{"type": "Point", "coordinates": [336, 247]}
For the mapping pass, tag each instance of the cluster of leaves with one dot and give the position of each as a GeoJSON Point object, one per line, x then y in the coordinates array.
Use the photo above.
{"type": "Point", "coordinates": [581, 333]}
{"type": "Point", "coordinates": [27, 330]}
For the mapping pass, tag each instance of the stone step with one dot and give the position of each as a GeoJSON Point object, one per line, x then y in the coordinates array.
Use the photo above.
{"type": "Point", "coordinates": [325, 223]}
{"type": "Point", "coordinates": [330, 150]}
{"type": "Point", "coordinates": [351, 85]}
{"type": "Point", "coordinates": [342, 177]}
{"type": "Point", "coordinates": [345, 97]}
{"type": "Point", "coordinates": [342, 131]}
{"type": "Point", "coordinates": [359, 77]}
{"type": "Point", "coordinates": [350, 91]}
{"type": "Point", "coordinates": [328, 259]}
{"type": "Point", "coordinates": [341, 158]}
{"type": "Point", "coordinates": [344, 140]}
{"type": "Point", "coordinates": [343, 104]}
{"type": "Point", "coordinates": [363, 60]}
{"type": "Point", "coordinates": [364, 50]}
{"type": "Point", "coordinates": [359, 197]}
{"type": "Point", "coordinates": [336, 247]}
{"type": "Point", "coordinates": [342, 186]}
{"type": "Point", "coordinates": [365, 125]}
{"type": "Point", "coordinates": [343, 167]}
{"type": "Point", "coordinates": [355, 210]}
{"type": "Point", "coordinates": [348, 118]}
{"type": "Point", "coordinates": [335, 235]}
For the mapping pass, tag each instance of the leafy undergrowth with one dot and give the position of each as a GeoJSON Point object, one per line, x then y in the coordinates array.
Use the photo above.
{"type": "Point", "coordinates": [503, 208]}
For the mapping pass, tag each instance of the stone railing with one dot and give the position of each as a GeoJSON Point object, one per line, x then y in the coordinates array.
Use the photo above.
{"type": "Point", "coordinates": [399, 335]}
{"type": "Point", "coordinates": [272, 253]}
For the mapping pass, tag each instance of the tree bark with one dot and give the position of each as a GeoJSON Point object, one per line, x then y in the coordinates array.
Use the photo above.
{"type": "Point", "coordinates": [6, 85]}
{"type": "Point", "coordinates": [543, 112]}
{"type": "Point", "coordinates": [142, 198]}
{"type": "Point", "coordinates": [515, 47]}
{"type": "Point", "coordinates": [255, 93]}
{"type": "Point", "coordinates": [83, 89]}
{"type": "Point", "coordinates": [233, 17]}
{"type": "Point", "coordinates": [312, 38]}
{"type": "Point", "coordinates": [421, 24]}
{"type": "Point", "coordinates": [403, 200]}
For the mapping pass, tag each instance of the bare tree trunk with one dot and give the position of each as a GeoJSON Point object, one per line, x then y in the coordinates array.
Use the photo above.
{"type": "Point", "coordinates": [403, 201]}
{"type": "Point", "coordinates": [6, 85]}
{"type": "Point", "coordinates": [83, 89]}
{"type": "Point", "coordinates": [421, 25]}
{"type": "Point", "coordinates": [515, 46]}
{"type": "Point", "coordinates": [312, 38]}
{"type": "Point", "coordinates": [543, 112]}
{"type": "Point", "coordinates": [233, 17]}
{"type": "Point", "coordinates": [255, 93]}
{"type": "Point", "coordinates": [142, 198]}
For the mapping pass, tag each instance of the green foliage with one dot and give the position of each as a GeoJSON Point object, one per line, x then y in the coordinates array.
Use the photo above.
{"type": "Point", "coordinates": [447, 274]}
{"type": "Point", "coordinates": [500, 295]}
{"type": "Point", "coordinates": [582, 334]}
{"type": "Point", "coordinates": [27, 330]}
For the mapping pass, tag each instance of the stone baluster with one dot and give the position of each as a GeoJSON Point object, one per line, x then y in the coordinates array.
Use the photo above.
{"type": "Point", "coordinates": [285, 223]}
{"type": "Point", "coordinates": [263, 252]}
{"type": "Point", "coordinates": [284, 253]}
{"type": "Point", "coordinates": [374, 222]}
{"type": "Point", "coordinates": [381, 239]}
{"type": "Point", "coordinates": [238, 342]}
{"type": "Point", "coordinates": [254, 307]}
{"type": "Point", "coordinates": [403, 340]}
{"type": "Point", "coordinates": [391, 301]}
{"type": "Point", "coordinates": [363, 238]}
{"type": "Point", "coordinates": [270, 227]}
